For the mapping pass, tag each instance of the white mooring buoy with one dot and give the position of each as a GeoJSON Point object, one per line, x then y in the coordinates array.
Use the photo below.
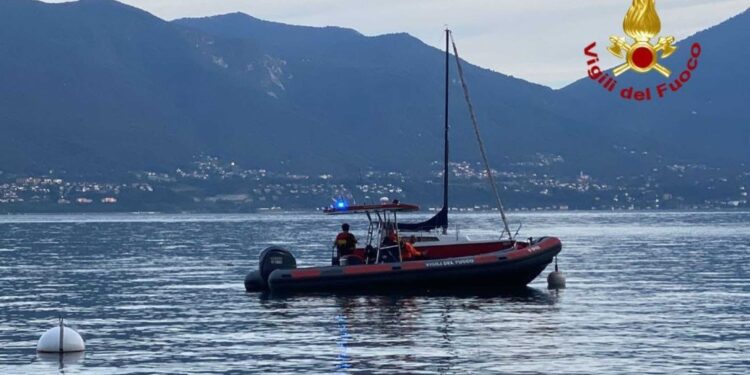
{"type": "Point", "coordinates": [556, 280]}
{"type": "Point", "coordinates": [60, 339]}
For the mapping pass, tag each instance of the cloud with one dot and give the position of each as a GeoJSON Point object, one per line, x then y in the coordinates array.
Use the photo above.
{"type": "Point", "coordinates": [537, 40]}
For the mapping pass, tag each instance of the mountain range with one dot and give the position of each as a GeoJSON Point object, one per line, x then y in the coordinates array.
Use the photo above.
{"type": "Point", "coordinates": [96, 87]}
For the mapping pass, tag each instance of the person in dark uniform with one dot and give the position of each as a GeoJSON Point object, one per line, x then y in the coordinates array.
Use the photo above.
{"type": "Point", "coordinates": [390, 246]}
{"type": "Point", "coordinates": [345, 244]}
{"type": "Point", "coordinates": [391, 238]}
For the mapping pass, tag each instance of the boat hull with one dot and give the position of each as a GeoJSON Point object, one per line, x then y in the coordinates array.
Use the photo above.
{"type": "Point", "coordinates": [501, 269]}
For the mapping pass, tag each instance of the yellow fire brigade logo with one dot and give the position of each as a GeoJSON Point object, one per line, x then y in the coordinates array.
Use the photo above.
{"type": "Point", "coordinates": [642, 24]}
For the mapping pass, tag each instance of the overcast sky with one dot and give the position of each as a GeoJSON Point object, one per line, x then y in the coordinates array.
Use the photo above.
{"type": "Point", "coordinates": [537, 40]}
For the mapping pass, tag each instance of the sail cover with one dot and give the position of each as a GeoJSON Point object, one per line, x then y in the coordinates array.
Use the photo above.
{"type": "Point", "coordinates": [440, 220]}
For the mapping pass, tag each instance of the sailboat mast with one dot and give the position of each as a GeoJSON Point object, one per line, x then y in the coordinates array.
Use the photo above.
{"type": "Point", "coordinates": [445, 160]}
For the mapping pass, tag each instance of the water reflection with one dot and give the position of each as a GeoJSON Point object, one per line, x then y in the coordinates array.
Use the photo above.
{"type": "Point", "coordinates": [61, 361]}
{"type": "Point", "coordinates": [420, 323]}
{"type": "Point", "coordinates": [343, 342]}
{"type": "Point", "coordinates": [523, 294]}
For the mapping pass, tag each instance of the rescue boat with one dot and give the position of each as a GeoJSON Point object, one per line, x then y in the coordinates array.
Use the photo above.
{"type": "Point", "coordinates": [445, 263]}
{"type": "Point", "coordinates": [443, 260]}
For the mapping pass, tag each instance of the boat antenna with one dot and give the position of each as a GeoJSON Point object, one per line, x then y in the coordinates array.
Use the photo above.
{"type": "Point", "coordinates": [479, 138]}
{"type": "Point", "coordinates": [445, 155]}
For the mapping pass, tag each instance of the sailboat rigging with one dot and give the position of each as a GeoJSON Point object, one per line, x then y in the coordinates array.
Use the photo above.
{"type": "Point", "coordinates": [441, 219]}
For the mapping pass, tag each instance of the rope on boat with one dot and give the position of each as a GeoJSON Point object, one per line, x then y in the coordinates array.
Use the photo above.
{"type": "Point", "coordinates": [479, 138]}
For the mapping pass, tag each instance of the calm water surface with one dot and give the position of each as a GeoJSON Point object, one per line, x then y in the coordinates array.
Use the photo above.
{"type": "Point", "coordinates": [647, 293]}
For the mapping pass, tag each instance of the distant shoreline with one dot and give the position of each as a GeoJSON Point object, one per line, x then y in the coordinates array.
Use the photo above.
{"type": "Point", "coordinates": [314, 211]}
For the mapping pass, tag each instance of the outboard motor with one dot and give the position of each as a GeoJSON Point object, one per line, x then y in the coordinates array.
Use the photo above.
{"type": "Point", "coordinates": [271, 259]}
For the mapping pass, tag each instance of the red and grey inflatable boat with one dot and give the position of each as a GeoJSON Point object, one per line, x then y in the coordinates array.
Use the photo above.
{"type": "Point", "coordinates": [444, 262]}
{"type": "Point", "coordinates": [512, 265]}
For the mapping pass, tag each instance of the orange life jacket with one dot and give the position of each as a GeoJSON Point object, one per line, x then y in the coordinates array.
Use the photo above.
{"type": "Point", "coordinates": [409, 251]}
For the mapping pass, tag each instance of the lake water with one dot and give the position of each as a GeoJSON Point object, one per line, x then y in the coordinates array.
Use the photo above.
{"type": "Point", "coordinates": [647, 293]}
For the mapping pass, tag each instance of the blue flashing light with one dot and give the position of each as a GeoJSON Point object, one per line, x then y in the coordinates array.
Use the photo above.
{"type": "Point", "coordinates": [341, 205]}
